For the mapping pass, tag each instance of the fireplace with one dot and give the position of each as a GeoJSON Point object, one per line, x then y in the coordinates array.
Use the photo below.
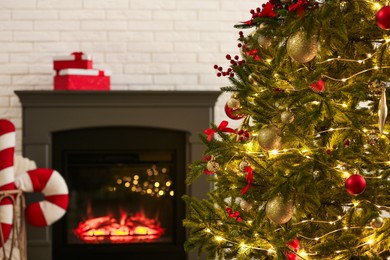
{"type": "Point", "coordinates": [125, 188]}
{"type": "Point", "coordinates": [124, 156]}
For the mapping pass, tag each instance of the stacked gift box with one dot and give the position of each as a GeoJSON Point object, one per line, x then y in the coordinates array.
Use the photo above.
{"type": "Point", "coordinates": [75, 72]}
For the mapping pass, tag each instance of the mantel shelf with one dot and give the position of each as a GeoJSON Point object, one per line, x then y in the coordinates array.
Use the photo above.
{"type": "Point", "coordinates": [62, 98]}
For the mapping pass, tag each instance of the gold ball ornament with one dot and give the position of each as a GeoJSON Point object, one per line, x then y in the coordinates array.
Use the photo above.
{"type": "Point", "coordinates": [245, 205]}
{"type": "Point", "coordinates": [212, 166]}
{"type": "Point", "coordinates": [287, 117]}
{"type": "Point", "coordinates": [269, 138]}
{"type": "Point", "coordinates": [264, 41]}
{"type": "Point", "coordinates": [301, 48]}
{"type": "Point", "coordinates": [233, 103]}
{"type": "Point", "coordinates": [377, 222]}
{"type": "Point", "coordinates": [279, 210]}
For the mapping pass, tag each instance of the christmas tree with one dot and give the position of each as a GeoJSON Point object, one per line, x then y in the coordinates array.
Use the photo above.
{"type": "Point", "coordinates": [306, 175]}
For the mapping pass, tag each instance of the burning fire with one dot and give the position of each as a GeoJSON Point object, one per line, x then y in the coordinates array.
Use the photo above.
{"type": "Point", "coordinates": [129, 229]}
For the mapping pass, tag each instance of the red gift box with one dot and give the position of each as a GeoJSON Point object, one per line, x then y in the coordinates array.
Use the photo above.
{"type": "Point", "coordinates": [77, 60]}
{"type": "Point", "coordinates": [81, 79]}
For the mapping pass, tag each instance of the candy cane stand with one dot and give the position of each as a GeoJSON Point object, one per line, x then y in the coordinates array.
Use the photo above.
{"type": "Point", "coordinates": [15, 247]}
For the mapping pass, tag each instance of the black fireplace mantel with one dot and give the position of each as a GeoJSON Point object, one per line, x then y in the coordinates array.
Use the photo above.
{"type": "Point", "coordinates": [46, 112]}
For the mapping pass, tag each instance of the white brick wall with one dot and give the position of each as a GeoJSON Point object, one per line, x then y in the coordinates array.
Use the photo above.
{"type": "Point", "coordinates": [147, 45]}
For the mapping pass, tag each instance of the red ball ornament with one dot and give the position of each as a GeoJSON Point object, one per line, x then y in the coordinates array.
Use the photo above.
{"type": "Point", "coordinates": [355, 184]}
{"type": "Point", "coordinates": [294, 246]}
{"type": "Point", "coordinates": [233, 114]}
{"type": "Point", "coordinates": [382, 18]}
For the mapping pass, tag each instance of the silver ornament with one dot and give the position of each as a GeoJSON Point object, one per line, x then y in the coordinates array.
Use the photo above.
{"type": "Point", "coordinates": [269, 138]}
{"type": "Point", "coordinates": [279, 211]}
{"type": "Point", "coordinates": [377, 222]}
{"type": "Point", "coordinates": [244, 163]}
{"type": "Point", "coordinates": [212, 166]}
{"type": "Point", "coordinates": [301, 48]}
{"type": "Point", "coordinates": [233, 103]}
{"type": "Point", "coordinates": [287, 117]}
{"type": "Point", "coordinates": [382, 111]}
{"type": "Point", "coordinates": [264, 41]}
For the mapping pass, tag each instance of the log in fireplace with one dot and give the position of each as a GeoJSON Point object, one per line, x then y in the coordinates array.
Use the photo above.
{"type": "Point", "coordinates": [124, 156]}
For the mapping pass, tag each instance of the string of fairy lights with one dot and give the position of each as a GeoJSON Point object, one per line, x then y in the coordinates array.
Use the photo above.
{"type": "Point", "coordinates": [368, 240]}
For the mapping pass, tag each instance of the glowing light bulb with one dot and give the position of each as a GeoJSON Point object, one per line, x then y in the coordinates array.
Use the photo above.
{"type": "Point", "coordinates": [243, 245]}
{"type": "Point", "coordinates": [343, 79]}
{"type": "Point", "coordinates": [370, 242]}
{"type": "Point", "coordinates": [219, 238]}
{"type": "Point", "coordinates": [271, 251]}
{"type": "Point", "coordinates": [156, 184]}
{"type": "Point", "coordinates": [208, 230]}
{"type": "Point", "coordinates": [303, 253]}
{"type": "Point", "coordinates": [377, 6]}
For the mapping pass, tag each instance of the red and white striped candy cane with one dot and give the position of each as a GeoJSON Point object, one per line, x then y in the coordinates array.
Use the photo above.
{"type": "Point", "coordinates": [53, 186]}
{"type": "Point", "coordinates": [7, 176]}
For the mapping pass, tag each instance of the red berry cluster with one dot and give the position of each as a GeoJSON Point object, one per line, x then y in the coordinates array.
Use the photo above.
{"type": "Point", "coordinates": [233, 62]}
{"type": "Point", "coordinates": [235, 215]}
{"type": "Point", "coordinates": [243, 135]}
{"type": "Point", "coordinates": [221, 72]}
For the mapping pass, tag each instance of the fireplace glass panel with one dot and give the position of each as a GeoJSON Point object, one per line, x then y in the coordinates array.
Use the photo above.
{"type": "Point", "coordinates": [121, 198]}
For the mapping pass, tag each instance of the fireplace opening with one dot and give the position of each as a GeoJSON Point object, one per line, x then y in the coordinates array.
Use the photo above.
{"type": "Point", "coordinates": [125, 186]}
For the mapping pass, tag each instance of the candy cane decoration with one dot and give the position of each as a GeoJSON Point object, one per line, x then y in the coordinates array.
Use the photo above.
{"type": "Point", "coordinates": [7, 149]}
{"type": "Point", "coordinates": [53, 186]}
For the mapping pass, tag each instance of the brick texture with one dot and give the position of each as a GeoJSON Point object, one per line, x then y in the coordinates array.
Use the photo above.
{"type": "Point", "coordinates": [147, 45]}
